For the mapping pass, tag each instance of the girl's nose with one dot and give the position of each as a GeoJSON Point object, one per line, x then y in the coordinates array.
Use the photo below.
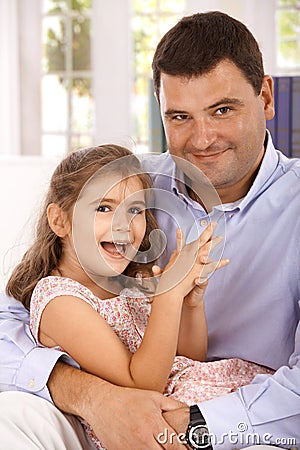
{"type": "Point", "coordinates": [121, 221]}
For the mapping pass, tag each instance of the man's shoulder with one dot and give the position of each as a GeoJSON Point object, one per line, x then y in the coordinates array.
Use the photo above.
{"type": "Point", "coordinates": [290, 167]}
{"type": "Point", "coordinates": [12, 308]}
{"type": "Point", "coordinates": [294, 165]}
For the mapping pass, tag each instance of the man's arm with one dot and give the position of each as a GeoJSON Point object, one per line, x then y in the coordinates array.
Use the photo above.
{"type": "Point", "coordinates": [122, 418]}
{"type": "Point", "coordinates": [23, 365]}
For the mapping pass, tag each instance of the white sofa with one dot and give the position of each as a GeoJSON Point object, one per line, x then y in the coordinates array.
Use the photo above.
{"type": "Point", "coordinates": [23, 182]}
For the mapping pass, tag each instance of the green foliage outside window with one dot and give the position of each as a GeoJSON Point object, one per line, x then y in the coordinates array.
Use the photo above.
{"type": "Point", "coordinates": [73, 26]}
{"type": "Point", "coordinates": [288, 23]}
{"type": "Point", "coordinates": [151, 19]}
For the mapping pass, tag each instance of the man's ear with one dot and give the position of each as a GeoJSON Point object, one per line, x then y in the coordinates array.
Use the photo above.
{"type": "Point", "coordinates": [156, 98]}
{"type": "Point", "coordinates": [58, 220]}
{"type": "Point", "coordinates": [267, 95]}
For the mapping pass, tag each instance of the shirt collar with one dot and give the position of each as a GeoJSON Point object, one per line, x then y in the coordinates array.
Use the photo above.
{"type": "Point", "coordinates": [267, 168]}
{"type": "Point", "coordinates": [178, 186]}
{"type": "Point", "coordinates": [265, 173]}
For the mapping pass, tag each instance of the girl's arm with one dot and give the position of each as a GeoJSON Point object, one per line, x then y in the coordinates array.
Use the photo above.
{"type": "Point", "coordinates": [193, 336]}
{"type": "Point", "coordinates": [72, 324]}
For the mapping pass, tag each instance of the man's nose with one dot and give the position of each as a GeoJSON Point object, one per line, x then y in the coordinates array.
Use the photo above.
{"type": "Point", "coordinates": [203, 133]}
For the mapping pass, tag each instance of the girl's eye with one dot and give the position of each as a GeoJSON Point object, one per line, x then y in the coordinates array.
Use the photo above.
{"type": "Point", "coordinates": [103, 208]}
{"type": "Point", "coordinates": [135, 210]}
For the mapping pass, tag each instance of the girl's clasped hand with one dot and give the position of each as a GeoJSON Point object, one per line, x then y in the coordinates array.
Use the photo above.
{"type": "Point", "coordinates": [190, 266]}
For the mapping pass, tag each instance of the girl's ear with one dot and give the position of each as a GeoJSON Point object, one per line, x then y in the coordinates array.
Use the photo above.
{"type": "Point", "coordinates": [58, 220]}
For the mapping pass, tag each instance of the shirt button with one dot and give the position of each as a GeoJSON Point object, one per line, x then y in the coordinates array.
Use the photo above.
{"type": "Point", "coordinates": [31, 383]}
{"type": "Point", "coordinates": [203, 223]}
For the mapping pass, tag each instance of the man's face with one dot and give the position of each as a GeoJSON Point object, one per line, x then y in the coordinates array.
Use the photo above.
{"type": "Point", "coordinates": [217, 122]}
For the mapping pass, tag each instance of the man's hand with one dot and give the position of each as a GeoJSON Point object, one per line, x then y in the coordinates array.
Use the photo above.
{"type": "Point", "coordinates": [178, 419]}
{"type": "Point", "coordinates": [133, 420]}
{"type": "Point", "coordinates": [122, 418]}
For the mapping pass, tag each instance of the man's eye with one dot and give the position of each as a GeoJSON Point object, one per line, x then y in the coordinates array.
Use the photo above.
{"type": "Point", "coordinates": [180, 117]}
{"type": "Point", "coordinates": [223, 110]}
{"type": "Point", "coordinates": [103, 208]}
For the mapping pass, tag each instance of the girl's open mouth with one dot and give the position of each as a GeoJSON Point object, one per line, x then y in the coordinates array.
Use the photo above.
{"type": "Point", "coordinates": [115, 249]}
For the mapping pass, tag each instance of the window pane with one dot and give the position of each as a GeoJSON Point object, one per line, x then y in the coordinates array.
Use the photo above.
{"type": "Point", "coordinates": [81, 140]}
{"type": "Point", "coordinates": [289, 3]}
{"type": "Point", "coordinates": [54, 104]}
{"type": "Point", "coordinates": [54, 44]}
{"type": "Point", "coordinates": [144, 33]}
{"type": "Point", "coordinates": [172, 6]}
{"type": "Point", "coordinates": [81, 47]}
{"type": "Point", "coordinates": [82, 107]}
{"type": "Point", "coordinates": [67, 106]}
{"type": "Point", "coordinates": [63, 6]}
{"type": "Point", "coordinates": [144, 7]}
{"type": "Point", "coordinates": [55, 6]}
{"type": "Point", "coordinates": [166, 23]}
{"type": "Point", "coordinates": [288, 29]}
{"type": "Point", "coordinates": [83, 6]}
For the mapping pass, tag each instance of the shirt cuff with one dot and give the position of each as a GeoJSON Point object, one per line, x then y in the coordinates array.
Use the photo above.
{"type": "Point", "coordinates": [227, 421]}
{"type": "Point", "coordinates": [36, 368]}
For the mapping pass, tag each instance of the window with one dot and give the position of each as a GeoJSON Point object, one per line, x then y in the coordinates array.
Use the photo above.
{"type": "Point", "coordinates": [68, 114]}
{"type": "Point", "coordinates": [67, 105]}
{"type": "Point", "coordinates": [288, 35]}
{"type": "Point", "coordinates": [151, 19]}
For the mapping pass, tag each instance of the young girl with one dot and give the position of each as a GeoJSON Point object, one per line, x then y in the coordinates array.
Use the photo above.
{"type": "Point", "coordinates": [92, 235]}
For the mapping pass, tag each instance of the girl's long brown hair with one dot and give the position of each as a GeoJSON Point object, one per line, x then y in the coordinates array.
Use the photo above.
{"type": "Point", "coordinates": [66, 184]}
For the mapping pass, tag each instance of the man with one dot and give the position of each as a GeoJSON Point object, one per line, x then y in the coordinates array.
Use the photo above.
{"type": "Point", "coordinates": [214, 100]}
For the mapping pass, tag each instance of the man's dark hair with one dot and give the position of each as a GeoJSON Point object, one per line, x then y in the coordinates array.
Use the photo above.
{"type": "Point", "coordinates": [198, 43]}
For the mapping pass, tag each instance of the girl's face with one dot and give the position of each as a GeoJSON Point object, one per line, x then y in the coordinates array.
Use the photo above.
{"type": "Point", "coordinates": [109, 224]}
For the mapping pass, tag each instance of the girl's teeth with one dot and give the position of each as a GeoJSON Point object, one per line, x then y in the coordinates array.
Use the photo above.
{"type": "Point", "coordinates": [120, 247]}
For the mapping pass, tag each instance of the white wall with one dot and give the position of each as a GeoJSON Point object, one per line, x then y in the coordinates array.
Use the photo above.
{"type": "Point", "coordinates": [23, 182]}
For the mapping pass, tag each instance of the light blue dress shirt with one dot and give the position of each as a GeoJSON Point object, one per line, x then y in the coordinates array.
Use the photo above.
{"type": "Point", "coordinates": [252, 305]}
